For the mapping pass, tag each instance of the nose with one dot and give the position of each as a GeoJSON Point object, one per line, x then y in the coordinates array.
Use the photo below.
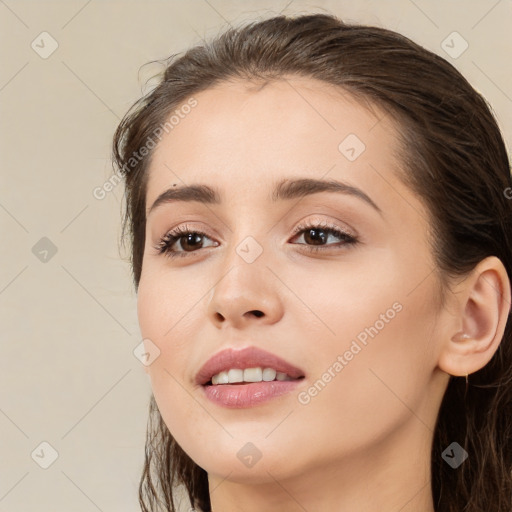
{"type": "Point", "coordinates": [246, 293]}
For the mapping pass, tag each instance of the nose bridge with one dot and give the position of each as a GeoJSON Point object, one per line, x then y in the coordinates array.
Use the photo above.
{"type": "Point", "coordinates": [249, 238]}
{"type": "Point", "coordinates": [243, 269]}
{"type": "Point", "coordinates": [245, 287]}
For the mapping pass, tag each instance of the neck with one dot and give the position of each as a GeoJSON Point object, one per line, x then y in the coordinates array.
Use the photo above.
{"type": "Point", "coordinates": [393, 474]}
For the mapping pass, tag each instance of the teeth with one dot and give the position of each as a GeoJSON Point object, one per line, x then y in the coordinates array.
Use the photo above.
{"type": "Point", "coordinates": [253, 375]}
{"type": "Point", "coordinates": [269, 374]}
{"type": "Point", "coordinates": [235, 375]}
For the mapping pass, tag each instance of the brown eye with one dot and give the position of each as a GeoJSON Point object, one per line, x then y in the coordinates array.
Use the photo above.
{"type": "Point", "coordinates": [315, 236]}
{"type": "Point", "coordinates": [190, 242]}
{"type": "Point", "coordinates": [318, 236]}
{"type": "Point", "coordinates": [181, 241]}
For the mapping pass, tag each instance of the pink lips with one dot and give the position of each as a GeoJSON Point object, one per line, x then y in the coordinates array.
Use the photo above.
{"type": "Point", "coordinates": [250, 357]}
{"type": "Point", "coordinates": [246, 394]}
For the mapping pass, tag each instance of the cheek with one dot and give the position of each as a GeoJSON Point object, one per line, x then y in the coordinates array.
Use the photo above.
{"type": "Point", "coordinates": [373, 353]}
{"type": "Point", "coordinates": [166, 304]}
{"type": "Point", "coordinates": [170, 310]}
{"type": "Point", "coordinates": [163, 323]}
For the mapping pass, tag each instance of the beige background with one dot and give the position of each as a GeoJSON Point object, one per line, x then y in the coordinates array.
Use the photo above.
{"type": "Point", "coordinates": [68, 320]}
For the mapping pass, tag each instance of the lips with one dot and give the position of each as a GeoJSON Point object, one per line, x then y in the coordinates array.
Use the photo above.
{"type": "Point", "coordinates": [250, 357]}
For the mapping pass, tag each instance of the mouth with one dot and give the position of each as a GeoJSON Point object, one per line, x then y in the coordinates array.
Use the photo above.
{"type": "Point", "coordinates": [247, 366]}
{"type": "Point", "coordinates": [245, 378]}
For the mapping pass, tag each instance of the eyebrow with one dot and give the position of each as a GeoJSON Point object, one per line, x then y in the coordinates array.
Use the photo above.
{"type": "Point", "coordinates": [286, 189]}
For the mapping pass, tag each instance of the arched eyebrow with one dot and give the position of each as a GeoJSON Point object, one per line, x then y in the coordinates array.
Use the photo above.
{"type": "Point", "coordinates": [285, 190]}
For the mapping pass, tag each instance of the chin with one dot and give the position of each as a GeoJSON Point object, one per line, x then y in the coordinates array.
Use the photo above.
{"type": "Point", "coordinates": [235, 471]}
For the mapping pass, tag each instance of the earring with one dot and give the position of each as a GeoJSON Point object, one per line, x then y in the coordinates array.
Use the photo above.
{"type": "Point", "coordinates": [466, 379]}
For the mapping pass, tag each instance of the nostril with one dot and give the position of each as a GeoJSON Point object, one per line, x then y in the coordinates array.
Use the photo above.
{"type": "Point", "coordinates": [257, 313]}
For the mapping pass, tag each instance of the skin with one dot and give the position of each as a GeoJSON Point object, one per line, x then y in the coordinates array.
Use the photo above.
{"type": "Point", "coordinates": [363, 442]}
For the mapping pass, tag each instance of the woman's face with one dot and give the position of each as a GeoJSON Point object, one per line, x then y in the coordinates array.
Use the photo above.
{"type": "Point", "coordinates": [358, 314]}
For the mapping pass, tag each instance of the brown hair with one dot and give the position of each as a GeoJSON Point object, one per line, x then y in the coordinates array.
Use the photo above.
{"type": "Point", "coordinates": [454, 159]}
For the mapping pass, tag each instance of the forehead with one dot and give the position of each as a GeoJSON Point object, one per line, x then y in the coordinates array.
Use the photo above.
{"type": "Point", "coordinates": [284, 109]}
{"type": "Point", "coordinates": [243, 137]}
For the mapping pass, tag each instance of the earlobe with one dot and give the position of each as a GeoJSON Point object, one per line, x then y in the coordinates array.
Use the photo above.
{"type": "Point", "coordinates": [483, 305]}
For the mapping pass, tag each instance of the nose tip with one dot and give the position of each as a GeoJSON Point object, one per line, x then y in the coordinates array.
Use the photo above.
{"type": "Point", "coordinates": [244, 295]}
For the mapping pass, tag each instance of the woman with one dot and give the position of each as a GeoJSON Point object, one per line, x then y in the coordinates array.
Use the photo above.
{"type": "Point", "coordinates": [321, 233]}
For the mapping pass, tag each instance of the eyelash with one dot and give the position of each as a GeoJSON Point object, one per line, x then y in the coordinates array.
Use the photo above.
{"type": "Point", "coordinates": [168, 240]}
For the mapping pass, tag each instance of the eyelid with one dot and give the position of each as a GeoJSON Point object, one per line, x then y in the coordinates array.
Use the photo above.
{"type": "Point", "coordinates": [188, 225]}
{"type": "Point", "coordinates": [327, 224]}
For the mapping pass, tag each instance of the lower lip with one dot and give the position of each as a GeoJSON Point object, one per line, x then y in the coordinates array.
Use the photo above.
{"type": "Point", "coordinates": [238, 396]}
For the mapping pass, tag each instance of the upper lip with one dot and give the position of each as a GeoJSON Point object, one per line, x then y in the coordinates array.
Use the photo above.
{"type": "Point", "coordinates": [250, 357]}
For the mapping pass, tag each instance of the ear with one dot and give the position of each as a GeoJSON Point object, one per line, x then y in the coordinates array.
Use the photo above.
{"type": "Point", "coordinates": [482, 306]}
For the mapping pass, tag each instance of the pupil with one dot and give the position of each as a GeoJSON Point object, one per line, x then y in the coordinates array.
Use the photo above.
{"type": "Point", "coordinates": [315, 237]}
{"type": "Point", "coordinates": [192, 238]}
